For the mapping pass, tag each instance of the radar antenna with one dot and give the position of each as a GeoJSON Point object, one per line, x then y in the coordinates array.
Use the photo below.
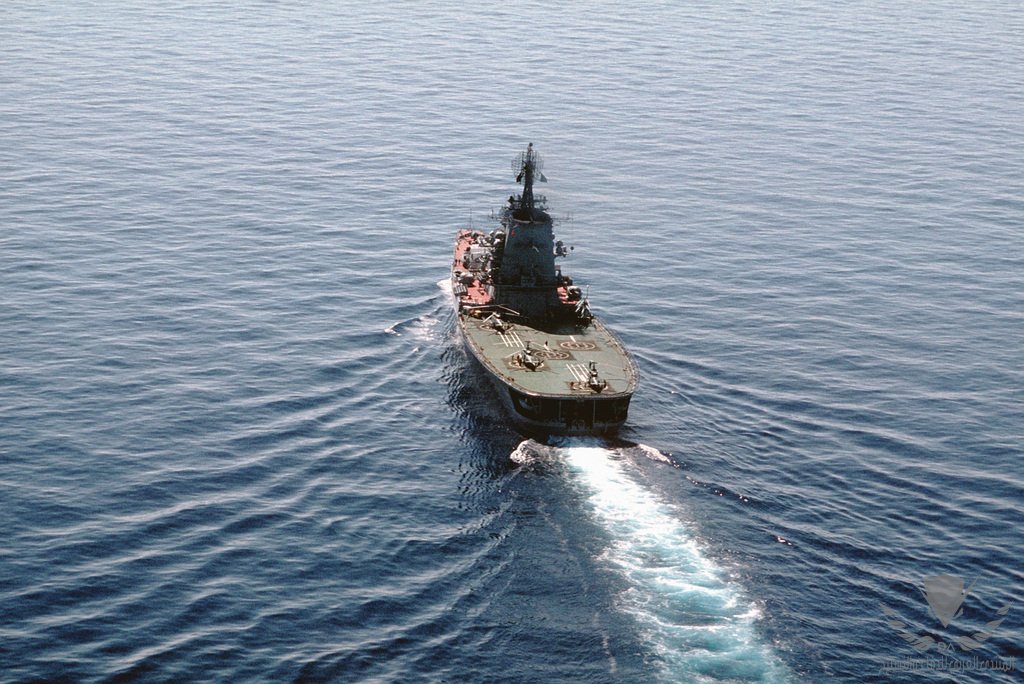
{"type": "Point", "coordinates": [527, 167]}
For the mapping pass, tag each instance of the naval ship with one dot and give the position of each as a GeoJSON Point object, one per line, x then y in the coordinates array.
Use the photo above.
{"type": "Point", "coordinates": [556, 367]}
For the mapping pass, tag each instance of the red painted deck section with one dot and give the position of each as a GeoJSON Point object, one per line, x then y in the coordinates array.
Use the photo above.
{"type": "Point", "coordinates": [476, 292]}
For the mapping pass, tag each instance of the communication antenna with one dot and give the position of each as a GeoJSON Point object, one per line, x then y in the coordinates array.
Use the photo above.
{"type": "Point", "coordinates": [528, 159]}
{"type": "Point", "coordinates": [527, 167]}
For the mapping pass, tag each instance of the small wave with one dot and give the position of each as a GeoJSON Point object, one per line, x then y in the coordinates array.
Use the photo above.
{"type": "Point", "coordinates": [424, 328]}
{"type": "Point", "coordinates": [699, 624]}
{"type": "Point", "coordinates": [655, 455]}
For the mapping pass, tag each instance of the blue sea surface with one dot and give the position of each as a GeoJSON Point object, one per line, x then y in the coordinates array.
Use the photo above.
{"type": "Point", "coordinates": [240, 440]}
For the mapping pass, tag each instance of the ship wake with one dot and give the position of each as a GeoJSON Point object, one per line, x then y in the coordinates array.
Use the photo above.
{"type": "Point", "coordinates": [695, 620]}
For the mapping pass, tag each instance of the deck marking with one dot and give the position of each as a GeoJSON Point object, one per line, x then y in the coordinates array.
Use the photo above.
{"type": "Point", "coordinates": [511, 339]}
{"type": "Point", "coordinates": [581, 345]}
{"type": "Point", "coordinates": [579, 371]}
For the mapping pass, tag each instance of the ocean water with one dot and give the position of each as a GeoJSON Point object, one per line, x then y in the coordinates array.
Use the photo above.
{"type": "Point", "coordinates": [239, 440]}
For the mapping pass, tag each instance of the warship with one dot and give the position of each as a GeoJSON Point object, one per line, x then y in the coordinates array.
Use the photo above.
{"type": "Point", "coordinates": [555, 366]}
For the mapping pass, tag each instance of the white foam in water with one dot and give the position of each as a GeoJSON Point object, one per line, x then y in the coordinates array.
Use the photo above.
{"type": "Point", "coordinates": [523, 455]}
{"type": "Point", "coordinates": [423, 328]}
{"type": "Point", "coordinates": [697, 621]}
{"type": "Point", "coordinates": [653, 454]}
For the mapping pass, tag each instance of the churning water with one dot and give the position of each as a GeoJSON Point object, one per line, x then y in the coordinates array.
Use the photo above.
{"type": "Point", "coordinates": [692, 617]}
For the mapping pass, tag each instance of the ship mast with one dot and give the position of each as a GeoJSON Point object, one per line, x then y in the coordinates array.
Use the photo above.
{"type": "Point", "coordinates": [527, 165]}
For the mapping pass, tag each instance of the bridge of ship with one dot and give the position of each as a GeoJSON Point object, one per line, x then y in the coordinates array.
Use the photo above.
{"type": "Point", "coordinates": [473, 288]}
